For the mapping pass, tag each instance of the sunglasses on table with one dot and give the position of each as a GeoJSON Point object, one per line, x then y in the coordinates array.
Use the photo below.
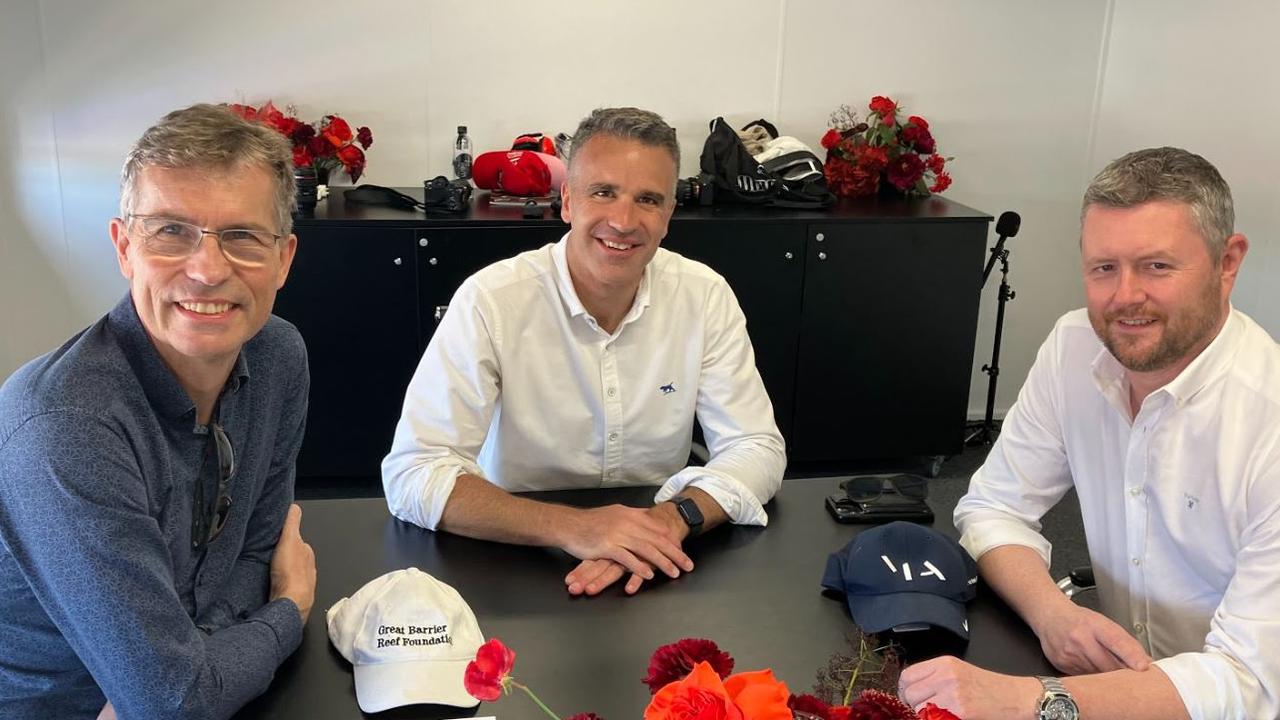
{"type": "Point", "coordinates": [207, 523]}
{"type": "Point", "coordinates": [866, 488]}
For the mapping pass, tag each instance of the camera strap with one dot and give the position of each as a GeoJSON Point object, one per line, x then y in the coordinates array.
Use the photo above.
{"type": "Point", "coordinates": [384, 196]}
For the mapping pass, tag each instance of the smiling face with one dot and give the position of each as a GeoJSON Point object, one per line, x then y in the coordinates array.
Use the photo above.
{"type": "Point", "coordinates": [1155, 296]}
{"type": "Point", "coordinates": [618, 198]}
{"type": "Point", "coordinates": [199, 310]}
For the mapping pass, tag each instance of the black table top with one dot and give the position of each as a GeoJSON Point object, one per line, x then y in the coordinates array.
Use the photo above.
{"type": "Point", "coordinates": [754, 591]}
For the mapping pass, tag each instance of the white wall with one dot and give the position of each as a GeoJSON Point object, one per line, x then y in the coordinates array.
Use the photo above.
{"type": "Point", "coordinates": [1014, 90]}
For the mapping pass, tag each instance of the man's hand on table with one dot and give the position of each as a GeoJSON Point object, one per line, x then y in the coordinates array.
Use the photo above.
{"type": "Point", "coordinates": [1079, 641]}
{"type": "Point", "coordinates": [969, 691]}
{"type": "Point", "coordinates": [293, 565]}
{"type": "Point", "coordinates": [614, 540]}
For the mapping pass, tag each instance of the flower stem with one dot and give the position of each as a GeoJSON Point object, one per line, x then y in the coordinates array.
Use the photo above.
{"type": "Point", "coordinates": [535, 699]}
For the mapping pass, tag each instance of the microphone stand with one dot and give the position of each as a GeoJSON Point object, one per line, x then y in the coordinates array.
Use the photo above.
{"type": "Point", "coordinates": [985, 432]}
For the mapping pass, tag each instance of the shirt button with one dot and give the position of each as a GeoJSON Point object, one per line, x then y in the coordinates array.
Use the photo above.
{"type": "Point", "coordinates": [613, 436]}
{"type": "Point", "coordinates": [1139, 628]}
{"type": "Point", "coordinates": [1135, 491]}
{"type": "Point", "coordinates": [1136, 562]}
{"type": "Point", "coordinates": [611, 392]}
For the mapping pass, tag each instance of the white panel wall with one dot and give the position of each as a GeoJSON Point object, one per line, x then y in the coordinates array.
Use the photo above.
{"type": "Point", "coordinates": [1205, 77]}
{"type": "Point", "coordinates": [1010, 88]}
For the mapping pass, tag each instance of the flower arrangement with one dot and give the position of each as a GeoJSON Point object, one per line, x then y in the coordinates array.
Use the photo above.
{"type": "Point", "coordinates": [882, 152]}
{"type": "Point", "coordinates": [326, 146]}
{"type": "Point", "coordinates": [693, 679]}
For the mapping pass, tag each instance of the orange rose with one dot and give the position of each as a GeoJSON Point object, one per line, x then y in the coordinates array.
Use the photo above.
{"type": "Point", "coordinates": [702, 696]}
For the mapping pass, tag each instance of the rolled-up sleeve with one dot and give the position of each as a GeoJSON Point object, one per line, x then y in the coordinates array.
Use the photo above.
{"type": "Point", "coordinates": [447, 410]}
{"type": "Point", "coordinates": [1025, 474]}
{"type": "Point", "coordinates": [748, 456]}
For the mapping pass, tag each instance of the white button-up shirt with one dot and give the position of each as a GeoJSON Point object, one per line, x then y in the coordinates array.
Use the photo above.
{"type": "Point", "coordinates": [521, 386]}
{"type": "Point", "coordinates": [1181, 503]}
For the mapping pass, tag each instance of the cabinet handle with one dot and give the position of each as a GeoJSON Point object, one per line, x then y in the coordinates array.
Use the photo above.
{"type": "Point", "coordinates": [820, 237]}
{"type": "Point", "coordinates": [440, 311]}
{"type": "Point", "coordinates": [398, 261]}
{"type": "Point", "coordinates": [432, 261]}
{"type": "Point", "coordinates": [788, 255]}
{"type": "Point", "coordinates": [822, 256]}
{"type": "Point", "coordinates": [422, 242]}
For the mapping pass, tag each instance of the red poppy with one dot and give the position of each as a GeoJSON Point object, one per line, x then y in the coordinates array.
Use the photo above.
{"type": "Point", "coordinates": [487, 676]}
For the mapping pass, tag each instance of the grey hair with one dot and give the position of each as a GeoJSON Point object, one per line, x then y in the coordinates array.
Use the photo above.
{"type": "Point", "coordinates": [213, 137]}
{"type": "Point", "coordinates": [628, 123]}
{"type": "Point", "coordinates": [1168, 173]}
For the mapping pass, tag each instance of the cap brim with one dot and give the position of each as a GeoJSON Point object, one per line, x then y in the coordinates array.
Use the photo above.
{"type": "Point", "coordinates": [877, 613]}
{"type": "Point", "coordinates": [389, 685]}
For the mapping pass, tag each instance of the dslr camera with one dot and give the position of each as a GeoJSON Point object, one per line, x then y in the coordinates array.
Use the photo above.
{"type": "Point", "coordinates": [440, 194]}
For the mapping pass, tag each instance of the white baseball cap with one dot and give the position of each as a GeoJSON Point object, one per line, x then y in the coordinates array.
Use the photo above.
{"type": "Point", "coordinates": [409, 637]}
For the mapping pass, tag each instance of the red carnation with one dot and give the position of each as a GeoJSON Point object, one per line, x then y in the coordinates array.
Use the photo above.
{"type": "Point", "coordinates": [673, 662]}
{"type": "Point", "coordinates": [942, 182]}
{"type": "Point", "coordinates": [905, 171]}
{"type": "Point", "coordinates": [365, 137]}
{"type": "Point", "coordinates": [831, 138]}
{"type": "Point", "coordinates": [884, 107]}
{"type": "Point", "coordinates": [877, 705]}
{"type": "Point", "coordinates": [933, 712]}
{"type": "Point", "coordinates": [872, 158]}
{"type": "Point", "coordinates": [488, 674]}
{"type": "Point", "coordinates": [811, 705]}
{"type": "Point", "coordinates": [935, 163]}
{"type": "Point", "coordinates": [917, 120]}
{"type": "Point", "coordinates": [840, 712]}
{"type": "Point", "coordinates": [336, 131]}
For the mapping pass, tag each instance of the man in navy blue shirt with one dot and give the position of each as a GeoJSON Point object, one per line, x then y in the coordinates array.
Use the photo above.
{"type": "Point", "coordinates": [151, 561]}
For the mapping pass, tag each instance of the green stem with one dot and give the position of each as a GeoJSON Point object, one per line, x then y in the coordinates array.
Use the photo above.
{"type": "Point", "coordinates": [535, 699]}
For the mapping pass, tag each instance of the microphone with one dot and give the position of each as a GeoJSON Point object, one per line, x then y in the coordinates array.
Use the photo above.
{"type": "Point", "coordinates": [1007, 226]}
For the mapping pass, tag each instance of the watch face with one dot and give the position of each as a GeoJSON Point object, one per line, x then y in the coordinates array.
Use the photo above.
{"type": "Point", "coordinates": [1060, 709]}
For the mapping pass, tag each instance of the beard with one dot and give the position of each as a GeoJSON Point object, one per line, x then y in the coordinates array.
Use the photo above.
{"type": "Point", "coordinates": [1182, 333]}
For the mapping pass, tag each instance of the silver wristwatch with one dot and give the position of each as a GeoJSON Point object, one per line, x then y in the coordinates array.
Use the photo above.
{"type": "Point", "coordinates": [1056, 703]}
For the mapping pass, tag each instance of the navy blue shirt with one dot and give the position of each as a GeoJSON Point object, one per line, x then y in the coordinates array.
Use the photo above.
{"type": "Point", "coordinates": [102, 595]}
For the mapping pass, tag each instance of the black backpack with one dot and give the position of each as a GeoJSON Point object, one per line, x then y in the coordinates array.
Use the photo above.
{"type": "Point", "coordinates": [793, 180]}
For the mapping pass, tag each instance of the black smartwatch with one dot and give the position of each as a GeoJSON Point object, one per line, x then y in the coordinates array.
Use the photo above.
{"type": "Point", "coordinates": [689, 512]}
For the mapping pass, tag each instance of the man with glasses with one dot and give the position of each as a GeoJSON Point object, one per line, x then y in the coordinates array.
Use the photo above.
{"type": "Point", "coordinates": [152, 564]}
{"type": "Point", "coordinates": [1159, 403]}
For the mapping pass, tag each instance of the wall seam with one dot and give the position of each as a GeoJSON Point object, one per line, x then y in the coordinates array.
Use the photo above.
{"type": "Point", "coordinates": [777, 79]}
{"type": "Point", "coordinates": [1100, 81]}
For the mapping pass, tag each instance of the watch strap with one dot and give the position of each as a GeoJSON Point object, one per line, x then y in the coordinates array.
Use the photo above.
{"type": "Point", "coordinates": [689, 512]}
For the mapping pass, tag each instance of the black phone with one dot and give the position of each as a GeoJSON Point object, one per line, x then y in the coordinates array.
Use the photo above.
{"type": "Point", "coordinates": [883, 509]}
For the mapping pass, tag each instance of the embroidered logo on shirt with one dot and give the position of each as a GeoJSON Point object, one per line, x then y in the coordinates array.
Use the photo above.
{"type": "Point", "coordinates": [668, 388]}
{"type": "Point", "coordinates": [1191, 500]}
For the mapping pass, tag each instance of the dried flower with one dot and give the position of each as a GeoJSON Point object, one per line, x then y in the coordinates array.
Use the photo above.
{"type": "Point", "coordinates": [868, 664]}
{"type": "Point", "coordinates": [877, 705]}
{"type": "Point", "coordinates": [674, 661]}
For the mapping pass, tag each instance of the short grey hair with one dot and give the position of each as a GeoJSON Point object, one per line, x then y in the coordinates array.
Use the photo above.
{"type": "Point", "coordinates": [627, 123]}
{"type": "Point", "coordinates": [213, 137]}
{"type": "Point", "coordinates": [1174, 174]}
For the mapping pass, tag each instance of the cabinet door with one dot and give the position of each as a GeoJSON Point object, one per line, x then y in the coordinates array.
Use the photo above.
{"type": "Point", "coordinates": [886, 339]}
{"type": "Point", "coordinates": [763, 263]}
{"type": "Point", "coordinates": [447, 256]}
{"type": "Point", "coordinates": [352, 294]}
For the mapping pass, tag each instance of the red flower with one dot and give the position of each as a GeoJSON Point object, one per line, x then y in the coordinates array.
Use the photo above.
{"type": "Point", "coordinates": [301, 156]}
{"type": "Point", "coordinates": [810, 704]}
{"type": "Point", "coordinates": [831, 138]}
{"type": "Point", "coordinates": [917, 120]}
{"type": "Point", "coordinates": [872, 158]}
{"type": "Point", "coordinates": [486, 676]}
{"type": "Point", "coordinates": [876, 705]}
{"type": "Point", "coordinates": [935, 163]}
{"type": "Point", "coordinates": [364, 136]}
{"type": "Point", "coordinates": [841, 712]}
{"type": "Point", "coordinates": [884, 107]}
{"type": "Point", "coordinates": [584, 716]}
{"type": "Point", "coordinates": [674, 661]}
{"type": "Point", "coordinates": [905, 171]}
{"type": "Point", "coordinates": [933, 712]}
{"type": "Point", "coordinates": [919, 138]}
{"type": "Point", "coordinates": [245, 111]}
{"type": "Point", "coordinates": [942, 182]}
{"type": "Point", "coordinates": [336, 131]}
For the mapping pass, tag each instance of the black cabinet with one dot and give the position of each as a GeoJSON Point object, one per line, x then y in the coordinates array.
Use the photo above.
{"type": "Point", "coordinates": [352, 293]}
{"type": "Point", "coordinates": [862, 317]}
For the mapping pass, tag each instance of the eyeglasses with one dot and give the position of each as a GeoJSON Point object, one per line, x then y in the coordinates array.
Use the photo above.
{"type": "Point", "coordinates": [171, 238]}
{"type": "Point", "coordinates": [869, 487]}
{"type": "Point", "coordinates": [205, 528]}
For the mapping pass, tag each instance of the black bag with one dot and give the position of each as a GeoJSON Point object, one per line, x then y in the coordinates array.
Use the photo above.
{"type": "Point", "coordinates": [793, 180]}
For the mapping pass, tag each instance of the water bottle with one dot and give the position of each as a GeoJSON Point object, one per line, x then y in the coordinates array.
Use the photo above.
{"type": "Point", "coordinates": [462, 154]}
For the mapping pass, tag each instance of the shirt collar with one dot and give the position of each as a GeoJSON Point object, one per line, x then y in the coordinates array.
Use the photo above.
{"type": "Point", "coordinates": [158, 382]}
{"type": "Point", "coordinates": [1111, 377]}
{"type": "Point", "coordinates": [569, 294]}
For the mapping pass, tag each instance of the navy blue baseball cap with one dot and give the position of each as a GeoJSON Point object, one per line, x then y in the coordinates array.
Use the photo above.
{"type": "Point", "coordinates": [902, 574]}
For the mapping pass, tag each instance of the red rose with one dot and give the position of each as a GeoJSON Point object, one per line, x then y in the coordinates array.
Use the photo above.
{"type": "Point", "coordinates": [919, 138]}
{"type": "Point", "coordinates": [486, 676]}
{"type": "Point", "coordinates": [935, 163]}
{"type": "Point", "coordinates": [877, 705]}
{"type": "Point", "coordinates": [905, 171]}
{"type": "Point", "coordinates": [884, 107]}
{"type": "Point", "coordinates": [940, 183]}
{"type": "Point", "coordinates": [917, 120]}
{"type": "Point", "coordinates": [336, 131]}
{"type": "Point", "coordinates": [933, 712]}
{"type": "Point", "coordinates": [365, 137]}
{"type": "Point", "coordinates": [831, 138]}
{"type": "Point", "coordinates": [810, 704]}
{"type": "Point", "coordinates": [674, 661]}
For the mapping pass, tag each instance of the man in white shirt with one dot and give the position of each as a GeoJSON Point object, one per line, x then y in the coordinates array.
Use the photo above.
{"type": "Point", "coordinates": [1160, 404]}
{"type": "Point", "coordinates": [583, 364]}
